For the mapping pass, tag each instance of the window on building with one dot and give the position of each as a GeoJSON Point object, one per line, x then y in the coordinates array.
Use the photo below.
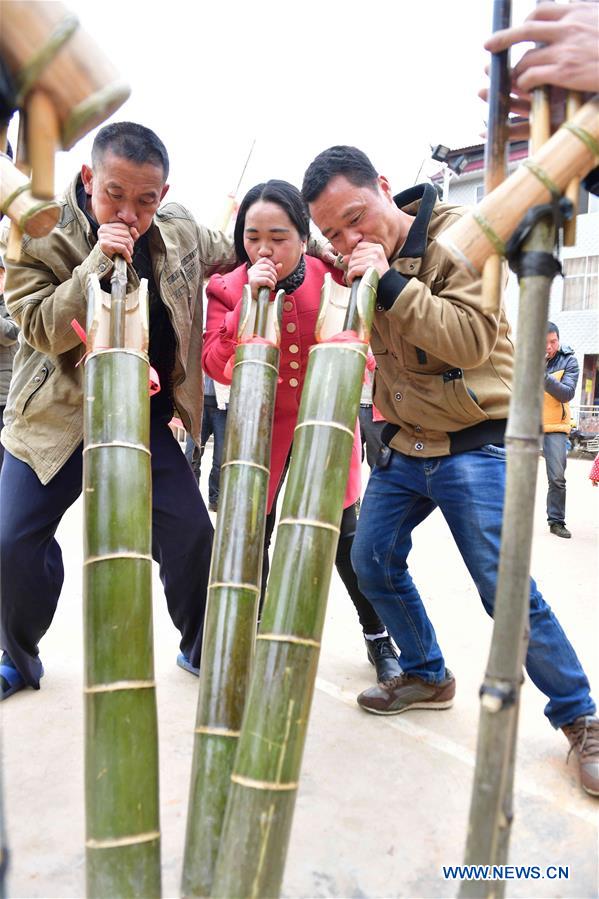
{"type": "Point", "coordinates": [480, 192]}
{"type": "Point", "coordinates": [581, 283]}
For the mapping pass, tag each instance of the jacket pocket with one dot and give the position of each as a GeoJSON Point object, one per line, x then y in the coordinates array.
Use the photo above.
{"type": "Point", "coordinates": [377, 346]}
{"type": "Point", "coordinates": [35, 383]}
{"type": "Point", "coordinates": [462, 403]}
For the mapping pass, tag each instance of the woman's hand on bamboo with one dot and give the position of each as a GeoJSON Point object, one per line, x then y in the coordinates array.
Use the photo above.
{"type": "Point", "coordinates": [264, 273]}
{"type": "Point", "coordinates": [116, 238]}
{"type": "Point", "coordinates": [366, 255]}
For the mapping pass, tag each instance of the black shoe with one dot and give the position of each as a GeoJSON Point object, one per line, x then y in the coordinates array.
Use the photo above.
{"type": "Point", "coordinates": [559, 529]}
{"type": "Point", "coordinates": [213, 507]}
{"type": "Point", "coordinates": [381, 654]}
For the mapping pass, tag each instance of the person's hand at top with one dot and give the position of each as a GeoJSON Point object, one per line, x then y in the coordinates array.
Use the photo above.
{"type": "Point", "coordinates": [364, 256]}
{"type": "Point", "coordinates": [116, 238]}
{"type": "Point", "coordinates": [264, 273]}
{"type": "Point", "coordinates": [570, 56]}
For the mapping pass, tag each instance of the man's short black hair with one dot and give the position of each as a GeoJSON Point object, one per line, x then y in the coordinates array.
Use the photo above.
{"type": "Point", "coordinates": [552, 329]}
{"type": "Point", "coordinates": [350, 162]}
{"type": "Point", "coordinates": [283, 194]}
{"type": "Point", "coordinates": [130, 141]}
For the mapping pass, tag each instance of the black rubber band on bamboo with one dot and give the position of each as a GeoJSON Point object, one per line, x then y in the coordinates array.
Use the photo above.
{"type": "Point", "coordinates": [537, 263]}
{"type": "Point", "coordinates": [496, 698]}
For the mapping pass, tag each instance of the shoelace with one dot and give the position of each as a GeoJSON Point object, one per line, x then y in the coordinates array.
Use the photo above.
{"type": "Point", "coordinates": [585, 739]}
{"type": "Point", "coordinates": [382, 649]}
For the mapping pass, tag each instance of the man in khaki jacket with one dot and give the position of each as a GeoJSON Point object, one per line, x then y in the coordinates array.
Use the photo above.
{"type": "Point", "coordinates": [443, 381]}
{"type": "Point", "coordinates": [111, 208]}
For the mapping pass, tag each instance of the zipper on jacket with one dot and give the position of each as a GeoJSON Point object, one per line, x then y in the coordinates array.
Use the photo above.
{"type": "Point", "coordinates": [39, 380]}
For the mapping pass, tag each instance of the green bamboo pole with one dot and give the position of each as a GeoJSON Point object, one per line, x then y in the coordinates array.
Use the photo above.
{"type": "Point", "coordinates": [121, 734]}
{"type": "Point", "coordinates": [491, 809]}
{"type": "Point", "coordinates": [259, 812]}
{"type": "Point", "coordinates": [233, 590]}
{"type": "Point", "coordinates": [491, 803]}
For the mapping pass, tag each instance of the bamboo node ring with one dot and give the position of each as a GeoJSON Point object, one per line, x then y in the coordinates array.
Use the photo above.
{"type": "Point", "coordinates": [216, 731]}
{"type": "Point", "coordinates": [289, 638]}
{"type": "Point", "coordinates": [236, 585]}
{"type": "Point", "coordinates": [262, 784]}
{"type": "Point", "coordinates": [543, 177]}
{"type": "Point", "coordinates": [124, 841]}
{"type": "Point", "coordinates": [587, 139]}
{"type": "Point", "coordinates": [311, 522]}
{"type": "Point", "coordinates": [247, 463]}
{"type": "Point", "coordinates": [121, 685]}
{"type": "Point", "coordinates": [314, 422]}
{"type": "Point", "coordinates": [489, 233]}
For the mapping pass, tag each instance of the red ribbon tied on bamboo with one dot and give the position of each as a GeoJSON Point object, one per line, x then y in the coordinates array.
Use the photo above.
{"type": "Point", "coordinates": [153, 379]}
{"type": "Point", "coordinates": [228, 371]}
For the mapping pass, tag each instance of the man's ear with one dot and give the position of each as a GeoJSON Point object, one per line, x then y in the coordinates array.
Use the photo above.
{"type": "Point", "coordinates": [87, 176]}
{"type": "Point", "coordinates": [164, 191]}
{"type": "Point", "coordinates": [385, 187]}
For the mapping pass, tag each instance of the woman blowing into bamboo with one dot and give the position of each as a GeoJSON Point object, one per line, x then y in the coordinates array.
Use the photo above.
{"type": "Point", "coordinates": [271, 232]}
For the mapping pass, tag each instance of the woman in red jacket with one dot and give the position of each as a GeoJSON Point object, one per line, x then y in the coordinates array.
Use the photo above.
{"type": "Point", "coordinates": [271, 232]}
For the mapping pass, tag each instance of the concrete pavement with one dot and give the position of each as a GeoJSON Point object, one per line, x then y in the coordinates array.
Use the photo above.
{"type": "Point", "coordinates": [383, 802]}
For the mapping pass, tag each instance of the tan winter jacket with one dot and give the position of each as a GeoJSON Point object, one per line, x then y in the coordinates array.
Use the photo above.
{"type": "Point", "coordinates": [47, 289]}
{"type": "Point", "coordinates": [444, 368]}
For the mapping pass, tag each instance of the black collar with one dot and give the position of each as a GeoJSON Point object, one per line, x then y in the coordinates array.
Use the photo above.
{"type": "Point", "coordinates": [415, 244]}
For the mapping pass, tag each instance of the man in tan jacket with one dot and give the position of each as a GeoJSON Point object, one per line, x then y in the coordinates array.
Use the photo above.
{"type": "Point", "coordinates": [443, 379]}
{"type": "Point", "coordinates": [111, 208]}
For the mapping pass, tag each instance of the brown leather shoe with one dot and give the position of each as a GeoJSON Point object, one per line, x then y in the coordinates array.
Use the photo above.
{"type": "Point", "coordinates": [583, 736]}
{"type": "Point", "coordinates": [408, 692]}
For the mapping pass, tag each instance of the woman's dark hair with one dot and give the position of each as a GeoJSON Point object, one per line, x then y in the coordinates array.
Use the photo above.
{"type": "Point", "coordinates": [284, 195]}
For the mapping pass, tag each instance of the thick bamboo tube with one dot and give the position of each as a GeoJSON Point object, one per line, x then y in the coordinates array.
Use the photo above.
{"type": "Point", "coordinates": [496, 148]}
{"type": "Point", "coordinates": [233, 591]}
{"type": "Point", "coordinates": [42, 143]}
{"type": "Point", "coordinates": [573, 104]}
{"type": "Point", "coordinates": [264, 784]}
{"type": "Point", "coordinates": [44, 47]}
{"type": "Point", "coordinates": [572, 150]}
{"type": "Point", "coordinates": [34, 217]}
{"type": "Point", "coordinates": [121, 746]}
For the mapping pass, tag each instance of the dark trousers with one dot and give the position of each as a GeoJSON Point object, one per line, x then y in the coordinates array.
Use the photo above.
{"type": "Point", "coordinates": [370, 434]}
{"type": "Point", "coordinates": [214, 422]}
{"type": "Point", "coordinates": [2, 408]}
{"type": "Point", "coordinates": [369, 620]}
{"type": "Point", "coordinates": [555, 450]}
{"type": "Point", "coordinates": [31, 567]}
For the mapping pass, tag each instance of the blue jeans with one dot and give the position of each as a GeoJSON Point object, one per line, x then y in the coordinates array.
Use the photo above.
{"type": "Point", "coordinates": [468, 488]}
{"type": "Point", "coordinates": [555, 450]}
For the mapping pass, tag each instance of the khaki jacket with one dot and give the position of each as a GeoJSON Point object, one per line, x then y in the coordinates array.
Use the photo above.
{"type": "Point", "coordinates": [9, 335]}
{"type": "Point", "coordinates": [47, 289]}
{"type": "Point", "coordinates": [444, 368]}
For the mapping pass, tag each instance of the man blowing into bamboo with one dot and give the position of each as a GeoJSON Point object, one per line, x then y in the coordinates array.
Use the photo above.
{"type": "Point", "coordinates": [443, 381]}
{"type": "Point", "coordinates": [111, 208]}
